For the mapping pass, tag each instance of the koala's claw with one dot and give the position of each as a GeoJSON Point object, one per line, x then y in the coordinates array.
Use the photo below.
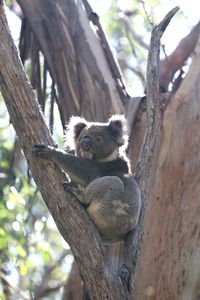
{"type": "Point", "coordinates": [68, 186]}
{"type": "Point", "coordinates": [41, 150]}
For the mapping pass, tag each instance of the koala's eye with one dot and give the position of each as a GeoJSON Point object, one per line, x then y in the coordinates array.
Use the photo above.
{"type": "Point", "coordinates": [99, 139]}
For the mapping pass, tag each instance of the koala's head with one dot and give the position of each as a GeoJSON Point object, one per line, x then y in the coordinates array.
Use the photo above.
{"type": "Point", "coordinates": [98, 141]}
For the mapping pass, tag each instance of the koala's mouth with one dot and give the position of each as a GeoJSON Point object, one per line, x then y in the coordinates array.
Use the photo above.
{"type": "Point", "coordinates": [86, 147]}
{"type": "Point", "coordinates": [86, 154]}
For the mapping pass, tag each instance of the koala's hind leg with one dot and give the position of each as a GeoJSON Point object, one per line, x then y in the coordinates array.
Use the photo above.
{"type": "Point", "coordinates": [104, 188]}
{"type": "Point", "coordinates": [109, 208]}
{"type": "Point", "coordinates": [99, 189]}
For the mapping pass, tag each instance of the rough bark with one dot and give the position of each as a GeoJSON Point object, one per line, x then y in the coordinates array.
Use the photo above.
{"type": "Point", "coordinates": [85, 84]}
{"type": "Point", "coordinates": [26, 117]}
{"type": "Point", "coordinates": [29, 124]}
{"type": "Point", "coordinates": [169, 261]}
{"type": "Point", "coordinates": [170, 258]}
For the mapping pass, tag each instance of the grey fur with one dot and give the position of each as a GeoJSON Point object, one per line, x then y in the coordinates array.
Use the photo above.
{"type": "Point", "coordinates": [100, 174]}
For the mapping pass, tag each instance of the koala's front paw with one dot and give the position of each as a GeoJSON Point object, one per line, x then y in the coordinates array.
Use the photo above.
{"type": "Point", "coordinates": [71, 188]}
{"type": "Point", "coordinates": [68, 186]}
{"type": "Point", "coordinates": [42, 150]}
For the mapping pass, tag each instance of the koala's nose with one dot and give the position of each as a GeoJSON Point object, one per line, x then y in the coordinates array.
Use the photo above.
{"type": "Point", "coordinates": [86, 143]}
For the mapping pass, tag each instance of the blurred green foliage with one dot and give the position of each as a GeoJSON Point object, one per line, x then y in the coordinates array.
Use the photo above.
{"type": "Point", "coordinates": [9, 2]}
{"type": "Point", "coordinates": [128, 26]}
{"type": "Point", "coordinates": [29, 240]}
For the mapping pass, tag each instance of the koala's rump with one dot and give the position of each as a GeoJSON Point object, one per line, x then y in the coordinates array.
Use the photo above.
{"type": "Point", "coordinates": [112, 207]}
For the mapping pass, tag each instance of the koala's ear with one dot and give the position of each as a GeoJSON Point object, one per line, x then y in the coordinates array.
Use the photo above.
{"type": "Point", "coordinates": [118, 127]}
{"type": "Point", "coordinates": [76, 125]}
{"type": "Point", "coordinates": [73, 129]}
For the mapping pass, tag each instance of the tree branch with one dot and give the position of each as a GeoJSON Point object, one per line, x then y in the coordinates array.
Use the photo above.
{"type": "Point", "coordinates": [16, 290]}
{"type": "Point", "coordinates": [172, 63]}
{"type": "Point", "coordinates": [148, 153]}
{"type": "Point", "coordinates": [108, 53]}
{"type": "Point", "coordinates": [125, 21]}
{"type": "Point", "coordinates": [70, 217]}
{"type": "Point", "coordinates": [43, 289]}
{"type": "Point", "coordinates": [70, 41]}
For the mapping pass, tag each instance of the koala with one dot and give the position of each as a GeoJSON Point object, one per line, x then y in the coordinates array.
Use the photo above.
{"type": "Point", "coordinates": [100, 174]}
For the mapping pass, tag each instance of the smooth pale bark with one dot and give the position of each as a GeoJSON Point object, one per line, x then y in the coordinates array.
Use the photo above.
{"type": "Point", "coordinates": [170, 258]}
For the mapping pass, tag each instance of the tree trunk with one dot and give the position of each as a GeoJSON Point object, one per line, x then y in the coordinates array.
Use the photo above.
{"type": "Point", "coordinates": [29, 124]}
{"type": "Point", "coordinates": [85, 84]}
{"type": "Point", "coordinates": [169, 264]}
{"type": "Point", "coordinates": [100, 280]}
{"type": "Point", "coordinates": [170, 259]}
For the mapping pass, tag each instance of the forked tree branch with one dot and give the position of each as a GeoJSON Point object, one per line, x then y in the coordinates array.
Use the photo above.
{"type": "Point", "coordinates": [149, 149]}
{"type": "Point", "coordinates": [70, 217]}
{"type": "Point", "coordinates": [175, 61]}
{"type": "Point", "coordinates": [23, 295]}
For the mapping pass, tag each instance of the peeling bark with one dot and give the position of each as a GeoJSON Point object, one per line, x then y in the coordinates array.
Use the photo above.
{"type": "Point", "coordinates": [85, 84]}
{"type": "Point", "coordinates": [69, 216]}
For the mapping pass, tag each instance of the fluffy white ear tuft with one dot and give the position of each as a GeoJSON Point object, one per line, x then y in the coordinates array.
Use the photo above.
{"type": "Point", "coordinates": [73, 130]}
{"type": "Point", "coordinates": [118, 126]}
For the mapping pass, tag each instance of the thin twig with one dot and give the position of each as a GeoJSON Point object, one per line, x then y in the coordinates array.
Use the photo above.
{"type": "Point", "coordinates": [17, 291]}
{"type": "Point", "coordinates": [51, 112]}
{"type": "Point", "coordinates": [49, 290]}
{"type": "Point", "coordinates": [149, 18]}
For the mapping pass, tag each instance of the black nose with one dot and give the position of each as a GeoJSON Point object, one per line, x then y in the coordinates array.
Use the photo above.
{"type": "Point", "coordinates": [86, 143]}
